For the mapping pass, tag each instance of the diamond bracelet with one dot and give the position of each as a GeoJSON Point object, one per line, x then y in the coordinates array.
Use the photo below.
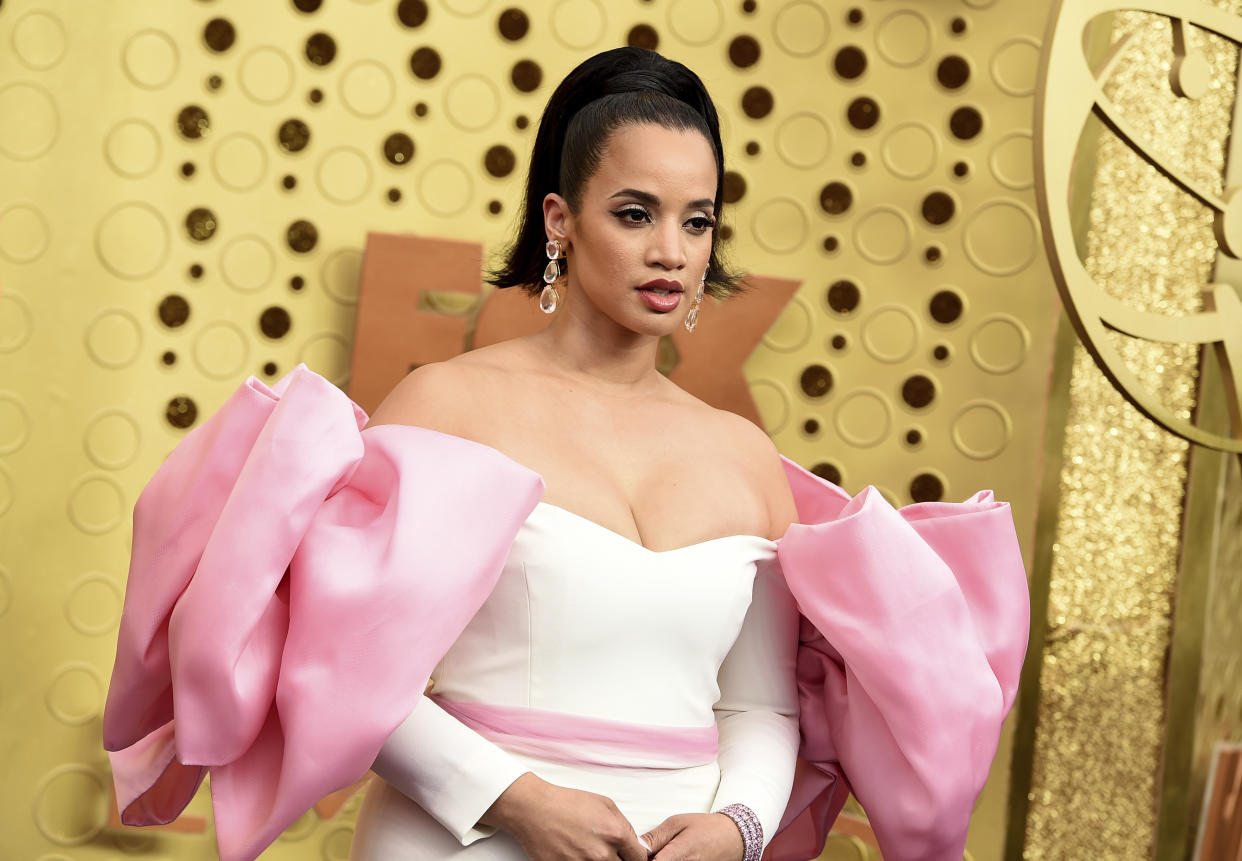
{"type": "Point", "coordinates": [748, 823]}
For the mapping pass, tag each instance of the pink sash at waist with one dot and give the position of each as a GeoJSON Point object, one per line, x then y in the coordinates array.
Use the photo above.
{"type": "Point", "coordinates": [584, 740]}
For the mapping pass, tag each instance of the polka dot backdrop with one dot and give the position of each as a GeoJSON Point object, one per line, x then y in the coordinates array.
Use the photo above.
{"type": "Point", "coordinates": [187, 188]}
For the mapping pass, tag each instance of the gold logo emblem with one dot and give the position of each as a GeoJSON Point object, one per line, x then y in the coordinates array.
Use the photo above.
{"type": "Point", "coordinates": [1069, 92]}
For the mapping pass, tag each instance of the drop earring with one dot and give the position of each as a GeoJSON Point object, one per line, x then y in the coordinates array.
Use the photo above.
{"type": "Point", "coordinates": [549, 297]}
{"type": "Point", "coordinates": [692, 319]}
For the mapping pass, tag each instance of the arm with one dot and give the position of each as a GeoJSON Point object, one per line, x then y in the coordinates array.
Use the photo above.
{"type": "Point", "coordinates": [757, 714]}
{"type": "Point", "coordinates": [448, 769]}
{"type": "Point", "coordinates": [472, 787]}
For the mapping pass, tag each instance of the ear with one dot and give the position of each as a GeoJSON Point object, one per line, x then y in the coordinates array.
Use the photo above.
{"type": "Point", "coordinates": [557, 219]}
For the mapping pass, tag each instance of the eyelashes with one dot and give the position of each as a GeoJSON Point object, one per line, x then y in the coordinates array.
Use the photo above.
{"type": "Point", "coordinates": [636, 215]}
{"type": "Point", "coordinates": [625, 214]}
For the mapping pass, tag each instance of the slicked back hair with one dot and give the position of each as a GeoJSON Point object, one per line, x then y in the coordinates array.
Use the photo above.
{"type": "Point", "coordinates": [624, 86]}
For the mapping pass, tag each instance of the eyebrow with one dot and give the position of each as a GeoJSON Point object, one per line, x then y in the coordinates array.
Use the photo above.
{"type": "Point", "coordinates": [651, 200]}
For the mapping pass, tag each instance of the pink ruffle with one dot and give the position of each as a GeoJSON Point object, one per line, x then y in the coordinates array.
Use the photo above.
{"type": "Point", "coordinates": [914, 630]}
{"type": "Point", "coordinates": [294, 581]}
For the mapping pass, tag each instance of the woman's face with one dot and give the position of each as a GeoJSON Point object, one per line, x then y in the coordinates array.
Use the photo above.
{"type": "Point", "coordinates": [645, 216]}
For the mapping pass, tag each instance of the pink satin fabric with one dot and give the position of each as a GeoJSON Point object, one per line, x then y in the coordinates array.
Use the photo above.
{"type": "Point", "coordinates": [293, 583]}
{"type": "Point", "coordinates": [585, 740]}
{"type": "Point", "coordinates": [914, 630]}
{"type": "Point", "coordinates": [294, 580]}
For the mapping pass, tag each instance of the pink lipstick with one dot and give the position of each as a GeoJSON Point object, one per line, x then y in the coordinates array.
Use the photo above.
{"type": "Point", "coordinates": [661, 294]}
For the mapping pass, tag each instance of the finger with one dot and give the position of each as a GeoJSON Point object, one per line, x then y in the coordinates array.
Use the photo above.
{"type": "Point", "coordinates": [633, 849]}
{"type": "Point", "coordinates": [657, 838]}
{"type": "Point", "coordinates": [676, 849]}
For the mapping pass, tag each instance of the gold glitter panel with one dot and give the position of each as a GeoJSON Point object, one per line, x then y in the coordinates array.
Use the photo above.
{"type": "Point", "coordinates": [1101, 717]}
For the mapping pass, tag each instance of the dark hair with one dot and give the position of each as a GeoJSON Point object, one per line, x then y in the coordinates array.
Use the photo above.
{"type": "Point", "coordinates": [620, 87]}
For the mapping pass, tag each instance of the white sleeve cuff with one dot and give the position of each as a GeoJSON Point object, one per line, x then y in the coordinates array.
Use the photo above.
{"type": "Point", "coordinates": [447, 768]}
{"type": "Point", "coordinates": [758, 752]}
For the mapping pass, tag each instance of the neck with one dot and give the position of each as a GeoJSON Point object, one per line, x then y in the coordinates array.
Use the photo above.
{"type": "Point", "coordinates": [585, 345]}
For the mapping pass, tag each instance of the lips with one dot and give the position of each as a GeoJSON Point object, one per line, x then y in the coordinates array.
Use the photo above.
{"type": "Point", "coordinates": [662, 285]}
{"type": "Point", "coordinates": [661, 294]}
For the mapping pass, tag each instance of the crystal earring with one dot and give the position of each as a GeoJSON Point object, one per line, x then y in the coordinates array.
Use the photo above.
{"type": "Point", "coordinates": [692, 319]}
{"type": "Point", "coordinates": [549, 297]}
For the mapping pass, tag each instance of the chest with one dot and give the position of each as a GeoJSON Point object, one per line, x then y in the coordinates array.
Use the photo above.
{"type": "Point", "coordinates": [662, 476]}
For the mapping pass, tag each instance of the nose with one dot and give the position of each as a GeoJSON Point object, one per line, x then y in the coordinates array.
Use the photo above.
{"type": "Point", "coordinates": [667, 248]}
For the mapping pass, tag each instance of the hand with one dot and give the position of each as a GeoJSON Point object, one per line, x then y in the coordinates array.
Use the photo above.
{"type": "Point", "coordinates": [555, 823]}
{"type": "Point", "coordinates": [698, 836]}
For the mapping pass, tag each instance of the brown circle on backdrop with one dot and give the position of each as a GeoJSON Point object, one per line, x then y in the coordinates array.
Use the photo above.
{"type": "Point", "coordinates": [643, 36]}
{"type": "Point", "coordinates": [412, 13]}
{"type": "Point", "coordinates": [850, 62]}
{"type": "Point", "coordinates": [828, 472]}
{"type": "Point", "coordinates": [953, 72]}
{"type": "Point", "coordinates": [526, 75]}
{"type": "Point", "coordinates": [513, 24]}
{"type": "Point", "coordinates": [274, 322]}
{"type": "Point", "coordinates": [398, 148]}
{"type": "Point", "coordinates": [945, 307]}
{"type": "Point", "coordinates": [293, 135]}
{"type": "Point", "coordinates": [181, 412]}
{"type": "Point", "coordinates": [757, 102]}
{"type": "Point", "coordinates": [816, 381]}
{"type": "Point", "coordinates": [926, 487]}
{"type": "Point", "coordinates": [744, 51]}
{"type": "Point", "coordinates": [174, 310]}
{"type": "Point", "coordinates": [499, 160]}
{"type": "Point", "coordinates": [844, 296]}
{"type": "Point", "coordinates": [320, 49]}
{"type": "Point", "coordinates": [219, 35]}
{"type": "Point", "coordinates": [965, 123]}
{"type": "Point", "coordinates": [835, 198]}
{"type": "Point", "coordinates": [863, 113]}
{"type": "Point", "coordinates": [200, 224]}
{"type": "Point", "coordinates": [302, 236]}
{"type": "Point", "coordinates": [938, 208]}
{"type": "Point", "coordinates": [425, 63]}
{"type": "Point", "coordinates": [193, 122]}
{"type": "Point", "coordinates": [918, 391]}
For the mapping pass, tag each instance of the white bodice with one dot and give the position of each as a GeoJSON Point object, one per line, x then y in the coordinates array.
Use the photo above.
{"type": "Point", "coordinates": [583, 620]}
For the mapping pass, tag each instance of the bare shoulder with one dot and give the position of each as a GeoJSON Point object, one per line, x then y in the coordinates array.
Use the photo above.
{"type": "Point", "coordinates": [760, 458]}
{"type": "Point", "coordinates": [437, 395]}
{"type": "Point", "coordinates": [425, 396]}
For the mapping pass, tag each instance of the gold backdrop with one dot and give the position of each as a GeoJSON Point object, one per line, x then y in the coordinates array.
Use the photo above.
{"type": "Point", "coordinates": [185, 192]}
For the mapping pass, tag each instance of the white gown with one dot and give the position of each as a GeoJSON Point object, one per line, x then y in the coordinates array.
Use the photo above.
{"type": "Point", "coordinates": [585, 621]}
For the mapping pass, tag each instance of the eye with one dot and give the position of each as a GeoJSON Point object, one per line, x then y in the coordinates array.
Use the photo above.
{"type": "Point", "coordinates": [632, 215]}
{"type": "Point", "coordinates": [701, 223]}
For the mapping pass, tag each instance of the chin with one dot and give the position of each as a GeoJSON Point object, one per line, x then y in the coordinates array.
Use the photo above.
{"type": "Point", "coordinates": [665, 324]}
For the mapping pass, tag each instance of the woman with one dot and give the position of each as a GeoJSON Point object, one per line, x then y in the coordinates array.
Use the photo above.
{"type": "Point", "coordinates": [624, 185]}
{"type": "Point", "coordinates": [651, 634]}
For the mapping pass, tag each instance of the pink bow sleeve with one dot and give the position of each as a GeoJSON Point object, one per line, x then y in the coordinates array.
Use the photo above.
{"type": "Point", "coordinates": [293, 582]}
{"type": "Point", "coordinates": [914, 630]}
